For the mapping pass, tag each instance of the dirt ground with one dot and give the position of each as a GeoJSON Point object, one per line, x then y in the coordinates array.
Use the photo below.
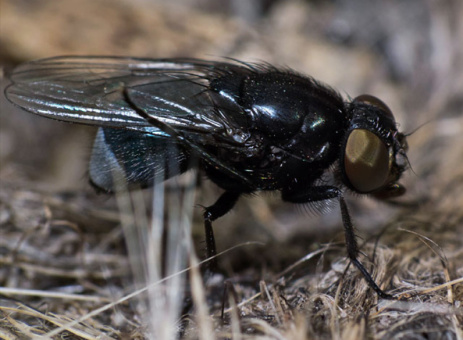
{"type": "Point", "coordinates": [72, 266]}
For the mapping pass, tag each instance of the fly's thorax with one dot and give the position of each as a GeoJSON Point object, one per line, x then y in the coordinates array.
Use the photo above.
{"type": "Point", "coordinates": [282, 105]}
{"type": "Point", "coordinates": [285, 118]}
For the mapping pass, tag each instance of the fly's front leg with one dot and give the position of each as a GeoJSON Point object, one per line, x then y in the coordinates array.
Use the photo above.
{"type": "Point", "coordinates": [223, 205]}
{"type": "Point", "coordinates": [353, 250]}
{"type": "Point", "coordinates": [321, 193]}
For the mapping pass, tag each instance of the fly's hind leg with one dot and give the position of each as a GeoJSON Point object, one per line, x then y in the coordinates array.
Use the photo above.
{"type": "Point", "coordinates": [223, 205]}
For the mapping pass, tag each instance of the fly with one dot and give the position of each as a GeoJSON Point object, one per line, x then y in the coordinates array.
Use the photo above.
{"type": "Point", "coordinates": [250, 127]}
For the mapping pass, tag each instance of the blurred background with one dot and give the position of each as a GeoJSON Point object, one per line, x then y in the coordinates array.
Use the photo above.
{"type": "Point", "coordinates": [408, 53]}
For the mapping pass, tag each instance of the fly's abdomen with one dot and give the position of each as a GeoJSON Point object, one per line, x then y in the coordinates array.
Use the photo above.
{"type": "Point", "coordinates": [123, 158]}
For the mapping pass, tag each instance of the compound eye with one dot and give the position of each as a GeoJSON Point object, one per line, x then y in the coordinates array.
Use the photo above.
{"type": "Point", "coordinates": [366, 161]}
{"type": "Point", "coordinates": [372, 100]}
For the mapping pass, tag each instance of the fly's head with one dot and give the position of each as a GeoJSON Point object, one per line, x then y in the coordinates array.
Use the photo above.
{"type": "Point", "coordinates": [374, 152]}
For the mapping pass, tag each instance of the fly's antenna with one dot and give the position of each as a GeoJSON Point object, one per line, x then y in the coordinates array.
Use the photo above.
{"type": "Point", "coordinates": [402, 151]}
{"type": "Point", "coordinates": [418, 127]}
{"type": "Point", "coordinates": [407, 160]}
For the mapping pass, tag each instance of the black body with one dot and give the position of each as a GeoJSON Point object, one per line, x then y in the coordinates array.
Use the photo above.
{"type": "Point", "coordinates": [284, 122]}
{"type": "Point", "coordinates": [252, 127]}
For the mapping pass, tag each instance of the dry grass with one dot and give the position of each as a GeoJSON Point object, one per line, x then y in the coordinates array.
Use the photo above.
{"type": "Point", "coordinates": [72, 266]}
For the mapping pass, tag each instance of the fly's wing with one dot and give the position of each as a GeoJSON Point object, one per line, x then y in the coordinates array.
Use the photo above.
{"type": "Point", "coordinates": [89, 90]}
{"type": "Point", "coordinates": [93, 90]}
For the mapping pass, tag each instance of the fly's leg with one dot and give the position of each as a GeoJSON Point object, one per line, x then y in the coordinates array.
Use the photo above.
{"type": "Point", "coordinates": [353, 250]}
{"type": "Point", "coordinates": [321, 193]}
{"type": "Point", "coordinates": [223, 205]}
